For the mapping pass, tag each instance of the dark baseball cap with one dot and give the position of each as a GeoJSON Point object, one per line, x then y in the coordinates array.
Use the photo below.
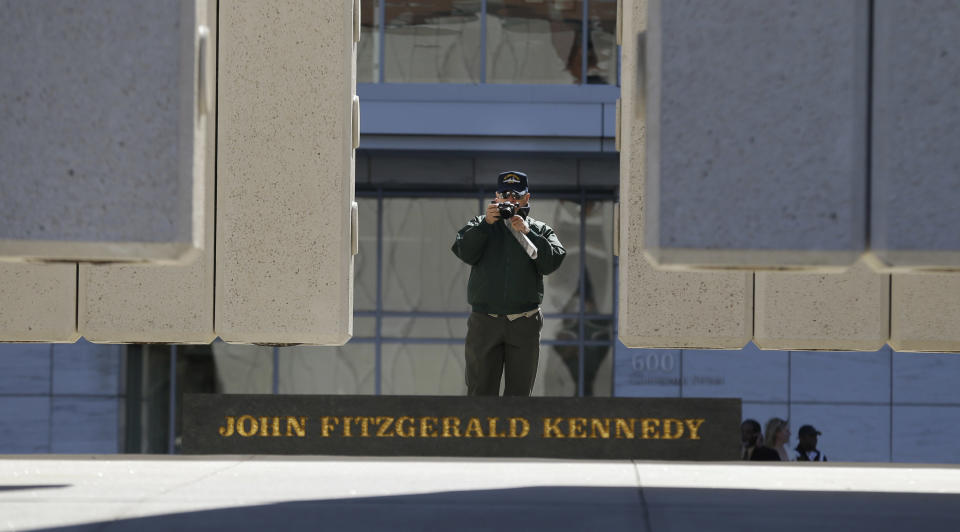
{"type": "Point", "coordinates": [808, 430]}
{"type": "Point", "coordinates": [512, 180]}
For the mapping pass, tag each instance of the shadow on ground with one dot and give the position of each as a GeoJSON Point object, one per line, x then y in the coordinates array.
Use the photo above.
{"type": "Point", "coordinates": [576, 508]}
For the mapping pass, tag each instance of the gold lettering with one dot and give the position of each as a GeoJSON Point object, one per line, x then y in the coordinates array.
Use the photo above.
{"type": "Point", "coordinates": [227, 431]}
{"type": "Point", "coordinates": [694, 426]}
{"type": "Point", "coordinates": [513, 427]}
{"type": "Point", "coordinates": [473, 426]}
{"type": "Point", "coordinates": [600, 425]}
{"type": "Point", "coordinates": [264, 427]}
{"type": "Point", "coordinates": [672, 433]}
{"type": "Point", "coordinates": [298, 426]}
{"type": "Point", "coordinates": [382, 431]}
{"type": "Point", "coordinates": [492, 423]}
{"type": "Point", "coordinates": [409, 431]}
{"type": "Point", "coordinates": [649, 428]}
{"type": "Point", "coordinates": [275, 425]}
{"type": "Point", "coordinates": [365, 425]}
{"type": "Point", "coordinates": [623, 430]}
{"type": "Point", "coordinates": [427, 430]}
{"type": "Point", "coordinates": [577, 426]}
{"type": "Point", "coordinates": [346, 426]}
{"type": "Point", "coordinates": [451, 425]}
{"type": "Point", "coordinates": [552, 426]}
{"type": "Point", "coordinates": [328, 424]}
{"type": "Point", "coordinates": [242, 430]}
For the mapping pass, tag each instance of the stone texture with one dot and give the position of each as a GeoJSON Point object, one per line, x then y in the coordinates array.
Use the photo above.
{"type": "Point", "coordinates": [86, 369]}
{"type": "Point", "coordinates": [926, 378]}
{"type": "Point", "coordinates": [750, 374]}
{"type": "Point", "coordinates": [285, 172]}
{"type": "Point", "coordinates": [916, 122]}
{"type": "Point", "coordinates": [757, 116]}
{"type": "Point", "coordinates": [851, 377]}
{"type": "Point", "coordinates": [837, 311]}
{"type": "Point", "coordinates": [926, 433]}
{"type": "Point", "coordinates": [96, 146]}
{"type": "Point", "coordinates": [25, 424]}
{"type": "Point", "coordinates": [38, 302]}
{"type": "Point", "coordinates": [647, 372]}
{"type": "Point", "coordinates": [25, 369]}
{"type": "Point", "coordinates": [663, 308]}
{"type": "Point", "coordinates": [85, 425]}
{"type": "Point", "coordinates": [170, 303]}
{"type": "Point", "coordinates": [925, 312]}
{"type": "Point", "coordinates": [850, 433]}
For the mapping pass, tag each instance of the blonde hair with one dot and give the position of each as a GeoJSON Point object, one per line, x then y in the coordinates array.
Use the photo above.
{"type": "Point", "coordinates": [774, 426]}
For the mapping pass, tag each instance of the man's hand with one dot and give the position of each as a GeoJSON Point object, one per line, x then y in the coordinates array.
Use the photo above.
{"type": "Point", "coordinates": [519, 224]}
{"type": "Point", "coordinates": [493, 213]}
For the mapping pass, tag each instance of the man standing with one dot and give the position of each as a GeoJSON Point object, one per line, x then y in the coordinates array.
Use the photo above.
{"type": "Point", "coordinates": [508, 259]}
{"type": "Point", "coordinates": [807, 445]}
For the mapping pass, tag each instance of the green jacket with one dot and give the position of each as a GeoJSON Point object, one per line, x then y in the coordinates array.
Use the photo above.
{"type": "Point", "coordinates": [503, 279]}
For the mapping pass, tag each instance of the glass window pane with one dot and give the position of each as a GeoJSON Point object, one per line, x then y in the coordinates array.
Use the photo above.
{"type": "Point", "coordinates": [419, 270]}
{"type": "Point", "coordinates": [423, 369]}
{"type": "Point", "coordinates": [599, 257]}
{"type": "Point", "coordinates": [602, 46]}
{"type": "Point", "coordinates": [413, 327]}
{"type": "Point", "coordinates": [365, 262]}
{"type": "Point", "coordinates": [560, 288]}
{"type": "Point", "coordinates": [368, 49]}
{"type": "Point", "coordinates": [243, 368]}
{"type": "Point", "coordinates": [347, 369]}
{"type": "Point", "coordinates": [534, 42]}
{"type": "Point", "coordinates": [432, 42]}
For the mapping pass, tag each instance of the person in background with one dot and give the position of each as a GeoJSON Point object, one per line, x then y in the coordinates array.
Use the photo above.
{"type": "Point", "coordinates": [751, 438]}
{"type": "Point", "coordinates": [777, 435]}
{"type": "Point", "coordinates": [807, 445]}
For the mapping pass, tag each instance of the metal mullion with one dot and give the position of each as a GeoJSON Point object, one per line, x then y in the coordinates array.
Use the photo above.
{"type": "Point", "coordinates": [584, 28]}
{"type": "Point", "coordinates": [382, 32]}
{"type": "Point", "coordinates": [379, 316]}
{"type": "Point", "coordinates": [583, 283]}
{"type": "Point", "coordinates": [172, 405]}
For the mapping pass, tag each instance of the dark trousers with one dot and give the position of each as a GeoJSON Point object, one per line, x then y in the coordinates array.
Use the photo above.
{"type": "Point", "coordinates": [498, 346]}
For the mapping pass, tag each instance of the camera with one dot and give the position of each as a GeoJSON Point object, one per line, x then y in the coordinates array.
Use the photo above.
{"type": "Point", "coordinates": [507, 210]}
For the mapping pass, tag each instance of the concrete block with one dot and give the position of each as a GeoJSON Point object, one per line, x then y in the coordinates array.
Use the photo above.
{"type": "Point", "coordinates": [102, 104]}
{"type": "Point", "coordinates": [757, 117]}
{"type": "Point", "coordinates": [38, 302]}
{"type": "Point", "coordinates": [86, 369]}
{"type": "Point", "coordinates": [924, 312]}
{"type": "Point", "coordinates": [916, 121]}
{"type": "Point", "coordinates": [835, 311]}
{"type": "Point", "coordinates": [285, 172]}
{"type": "Point", "coordinates": [25, 425]}
{"type": "Point", "coordinates": [85, 425]}
{"type": "Point", "coordinates": [167, 303]}
{"type": "Point", "coordinates": [25, 369]}
{"type": "Point", "coordinates": [850, 433]}
{"type": "Point", "coordinates": [748, 373]}
{"type": "Point", "coordinates": [926, 434]}
{"type": "Point", "coordinates": [926, 378]}
{"type": "Point", "coordinates": [663, 308]}
{"type": "Point", "coordinates": [851, 377]}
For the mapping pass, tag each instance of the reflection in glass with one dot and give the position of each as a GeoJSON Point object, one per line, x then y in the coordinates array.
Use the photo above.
{"type": "Point", "coordinates": [418, 327]}
{"type": "Point", "coordinates": [432, 42]}
{"type": "Point", "coordinates": [368, 49]}
{"type": "Point", "coordinates": [365, 262]}
{"type": "Point", "coordinates": [420, 273]}
{"type": "Point", "coordinates": [243, 368]}
{"type": "Point", "coordinates": [602, 46]}
{"type": "Point", "coordinates": [534, 42]}
{"type": "Point", "coordinates": [348, 369]}
{"type": "Point", "coordinates": [423, 369]}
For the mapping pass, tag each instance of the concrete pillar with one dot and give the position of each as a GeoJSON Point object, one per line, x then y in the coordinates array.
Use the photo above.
{"type": "Point", "coordinates": [837, 311]}
{"type": "Point", "coordinates": [287, 129]}
{"type": "Point", "coordinates": [925, 312]}
{"type": "Point", "coordinates": [100, 101]}
{"type": "Point", "coordinates": [665, 308]}
{"type": "Point", "coordinates": [38, 302]}
{"type": "Point", "coordinates": [915, 222]}
{"type": "Point", "coordinates": [170, 303]}
{"type": "Point", "coordinates": [756, 139]}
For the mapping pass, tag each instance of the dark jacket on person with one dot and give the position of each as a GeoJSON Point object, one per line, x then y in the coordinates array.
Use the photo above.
{"type": "Point", "coordinates": [503, 279]}
{"type": "Point", "coordinates": [803, 457]}
{"type": "Point", "coordinates": [765, 454]}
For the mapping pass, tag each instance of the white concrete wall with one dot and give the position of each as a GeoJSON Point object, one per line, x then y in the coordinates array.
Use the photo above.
{"type": "Point", "coordinates": [285, 173]}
